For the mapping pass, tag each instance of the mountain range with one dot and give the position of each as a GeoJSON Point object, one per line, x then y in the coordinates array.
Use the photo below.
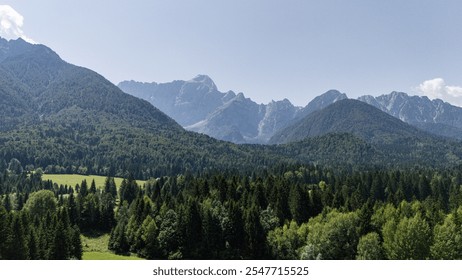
{"type": "Point", "coordinates": [198, 106]}
{"type": "Point", "coordinates": [350, 116]}
{"type": "Point", "coordinates": [435, 116]}
{"type": "Point", "coordinates": [69, 119]}
{"type": "Point", "coordinates": [240, 120]}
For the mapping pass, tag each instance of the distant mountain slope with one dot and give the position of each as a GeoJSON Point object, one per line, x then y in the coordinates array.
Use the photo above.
{"type": "Point", "coordinates": [224, 116]}
{"type": "Point", "coordinates": [278, 114]}
{"type": "Point", "coordinates": [320, 102]}
{"type": "Point", "coordinates": [434, 116]}
{"type": "Point", "coordinates": [43, 85]}
{"type": "Point", "coordinates": [198, 106]}
{"type": "Point", "coordinates": [385, 140]}
{"type": "Point", "coordinates": [12, 107]}
{"type": "Point", "coordinates": [241, 120]}
{"type": "Point", "coordinates": [350, 116]}
{"type": "Point", "coordinates": [187, 102]}
{"type": "Point", "coordinates": [235, 121]}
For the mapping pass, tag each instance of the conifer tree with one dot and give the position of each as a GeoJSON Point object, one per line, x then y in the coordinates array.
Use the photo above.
{"type": "Point", "coordinates": [118, 241]}
{"type": "Point", "coordinates": [61, 242]}
{"type": "Point", "coordinates": [149, 237]}
{"type": "Point", "coordinates": [76, 250]}
{"type": "Point", "coordinates": [234, 235]}
{"type": "Point", "coordinates": [254, 234]}
{"type": "Point", "coordinates": [5, 233]}
{"type": "Point", "coordinates": [18, 249]}
{"type": "Point", "coordinates": [107, 211]}
{"type": "Point", "coordinates": [212, 236]}
{"type": "Point", "coordinates": [73, 210]}
{"type": "Point", "coordinates": [110, 187]}
{"type": "Point", "coordinates": [298, 204]}
{"type": "Point", "coordinates": [7, 203]}
{"type": "Point", "coordinates": [93, 186]}
{"type": "Point", "coordinates": [33, 245]}
{"type": "Point", "coordinates": [192, 230]}
{"type": "Point", "coordinates": [83, 189]}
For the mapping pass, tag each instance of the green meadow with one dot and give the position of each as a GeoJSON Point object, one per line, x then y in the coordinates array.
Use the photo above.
{"type": "Point", "coordinates": [73, 179]}
{"type": "Point", "coordinates": [95, 248]}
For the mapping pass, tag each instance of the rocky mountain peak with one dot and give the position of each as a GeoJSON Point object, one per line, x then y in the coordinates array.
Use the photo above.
{"type": "Point", "coordinates": [206, 81]}
{"type": "Point", "coordinates": [434, 116]}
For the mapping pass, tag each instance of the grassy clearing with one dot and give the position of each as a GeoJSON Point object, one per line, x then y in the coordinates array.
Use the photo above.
{"type": "Point", "coordinates": [95, 248]}
{"type": "Point", "coordinates": [106, 256]}
{"type": "Point", "coordinates": [73, 179]}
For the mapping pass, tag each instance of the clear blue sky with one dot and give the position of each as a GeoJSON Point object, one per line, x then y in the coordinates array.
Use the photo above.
{"type": "Point", "coordinates": [268, 49]}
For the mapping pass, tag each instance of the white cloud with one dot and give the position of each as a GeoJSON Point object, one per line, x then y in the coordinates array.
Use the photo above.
{"type": "Point", "coordinates": [11, 23]}
{"type": "Point", "coordinates": [437, 88]}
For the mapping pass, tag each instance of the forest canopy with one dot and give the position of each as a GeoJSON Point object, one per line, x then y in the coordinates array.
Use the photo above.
{"type": "Point", "coordinates": [298, 212]}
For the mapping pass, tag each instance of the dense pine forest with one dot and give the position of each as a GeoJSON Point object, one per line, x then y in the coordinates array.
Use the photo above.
{"type": "Point", "coordinates": [288, 212]}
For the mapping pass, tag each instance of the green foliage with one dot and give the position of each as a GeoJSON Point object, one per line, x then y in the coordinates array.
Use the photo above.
{"type": "Point", "coordinates": [410, 238]}
{"type": "Point", "coordinates": [285, 242]}
{"type": "Point", "coordinates": [15, 166]}
{"type": "Point", "coordinates": [168, 234]}
{"type": "Point", "coordinates": [254, 234]}
{"type": "Point", "coordinates": [149, 237]}
{"type": "Point", "coordinates": [40, 203]}
{"type": "Point", "coordinates": [333, 236]}
{"type": "Point", "coordinates": [118, 241]}
{"type": "Point", "coordinates": [370, 247]}
{"type": "Point", "coordinates": [45, 235]}
{"type": "Point", "coordinates": [268, 219]}
{"type": "Point", "coordinates": [76, 249]}
{"type": "Point", "coordinates": [5, 233]}
{"type": "Point", "coordinates": [299, 204]}
{"type": "Point", "coordinates": [18, 247]}
{"type": "Point", "coordinates": [447, 244]}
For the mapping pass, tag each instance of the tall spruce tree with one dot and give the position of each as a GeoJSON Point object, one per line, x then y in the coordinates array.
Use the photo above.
{"type": "Point", "coordinates": [5, 233]}
{"type": "Point", "coordinates": [255, 239]}
{"type": "Point", "coordinates": [18, 249]}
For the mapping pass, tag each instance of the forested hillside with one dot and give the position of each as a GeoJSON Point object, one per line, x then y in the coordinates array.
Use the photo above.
{"type": "Point", "coordinates": [68, 119]}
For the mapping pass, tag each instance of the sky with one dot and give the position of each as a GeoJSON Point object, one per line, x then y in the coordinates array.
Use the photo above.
{"type": "Point", "coordinates": [267, 49]}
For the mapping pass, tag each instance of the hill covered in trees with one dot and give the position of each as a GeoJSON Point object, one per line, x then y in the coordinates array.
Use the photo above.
{"type": "Point", "coordinates": [368, 136]}
{"type": "Point", "coordinates": [350, 116]}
